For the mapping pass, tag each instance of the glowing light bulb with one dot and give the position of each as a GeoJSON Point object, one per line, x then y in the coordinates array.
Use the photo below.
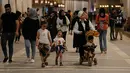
{"type": "Point", "coordinates": [36, 1]}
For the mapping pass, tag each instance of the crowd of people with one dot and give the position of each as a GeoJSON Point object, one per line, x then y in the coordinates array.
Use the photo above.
{"type": "Point", "coordinates": [51, 30]}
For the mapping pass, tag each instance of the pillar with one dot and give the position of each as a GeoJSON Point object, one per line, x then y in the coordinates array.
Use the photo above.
{"type": "Point", "coordinates": [91, 5]}
{"type": "Point", "coordinates": [13, 5]}
{"type": "Point", "coordinates": [3, 2]}
{"type": "Point", "coordinates": [69, 5]}
{"type": "Point", "coordinates": [19, 5]}
{"type": "Point", "coordinates": [22, 5]}
{"type": "Point", "coordinates": [128, 8]}
{"type": "Point", "coordinates": [29, 3]}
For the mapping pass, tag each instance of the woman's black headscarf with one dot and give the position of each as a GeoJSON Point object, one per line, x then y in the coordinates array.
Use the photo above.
{"type": "Point", "coordinates": [62, 16]}
{"type": "Point", "coordinates": [102, 10]}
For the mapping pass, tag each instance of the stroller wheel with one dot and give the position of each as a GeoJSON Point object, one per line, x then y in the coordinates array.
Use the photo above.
{"type": "Point", "coordinates": [90, 62]}
{"type": "Point", "coordinates": [95, 61]}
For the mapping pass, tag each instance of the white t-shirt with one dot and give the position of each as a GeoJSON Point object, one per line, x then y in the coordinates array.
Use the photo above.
{"type": "Point", "coordinates": [43, 38]}
{"type": "Point", "coordinates": [58, 40]}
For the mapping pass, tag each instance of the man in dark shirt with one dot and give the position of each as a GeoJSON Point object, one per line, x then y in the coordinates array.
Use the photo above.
{"type": "Point", "coordinates": [10, 27]}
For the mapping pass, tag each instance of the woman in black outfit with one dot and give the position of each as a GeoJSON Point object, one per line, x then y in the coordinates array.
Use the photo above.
{"type": "Point", "coordinates": [75, 37]}
{"type": "Point", "coordinates": [80, 28]}
{"type": "Point", "coordinates": [18, 14]}
{"type": "Point", "coordinates": [52, 24]}
{"type": "Point", "coordinates": [29, 29]}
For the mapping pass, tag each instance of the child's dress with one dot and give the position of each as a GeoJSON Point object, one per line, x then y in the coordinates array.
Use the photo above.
{"type": "Point", "coordinates": [59, 44]}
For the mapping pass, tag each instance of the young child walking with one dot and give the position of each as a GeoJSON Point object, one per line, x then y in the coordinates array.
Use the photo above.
{"type": "Point", "coordinates": [60, 47]}
{"type": "Point", "coordinates": [44, 42]}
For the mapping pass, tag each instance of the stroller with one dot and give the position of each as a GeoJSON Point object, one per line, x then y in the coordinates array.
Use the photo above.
{"type": "Point", "coordinates": [89, 48]}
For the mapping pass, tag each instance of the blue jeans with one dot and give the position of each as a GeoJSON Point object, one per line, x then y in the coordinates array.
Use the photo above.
{"type": "Point", "coordinates": [31, 43]}
{"type": "Point", "coordinates": [103, 40]}
{"type": "Point", "coordinates": [7, 37]}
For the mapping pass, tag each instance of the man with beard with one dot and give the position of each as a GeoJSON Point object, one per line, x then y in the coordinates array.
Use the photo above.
{"type": "Point", "coordinates": [10, 27]}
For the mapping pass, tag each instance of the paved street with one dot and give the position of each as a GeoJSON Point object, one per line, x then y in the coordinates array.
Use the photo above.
{"type": "Point", "coordinates": [117, 60]}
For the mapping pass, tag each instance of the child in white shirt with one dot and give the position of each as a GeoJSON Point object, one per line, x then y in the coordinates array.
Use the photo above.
{"type": "Point", "coordinates": [60, 47]}
{"type": "Point", "coordinates": [44, 42]}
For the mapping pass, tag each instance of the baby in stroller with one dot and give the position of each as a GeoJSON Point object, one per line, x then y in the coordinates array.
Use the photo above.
{"type": "Point", "coordinates": [89, 48]}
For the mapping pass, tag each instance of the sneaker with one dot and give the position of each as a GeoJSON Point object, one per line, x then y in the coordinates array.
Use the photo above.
{"type": "Point", "coordinates": [5, 60]}
{"type": "Point", "coordinates": [27, 60]}
{"type": "Point", "coordinates": [77, 50]}
{"type": "Point", "coordinates": [105, 52]}
{"type": "Point", "coordinates": [43, 65]}
{"type": "Point", "coordinates": [46, 63]}
{"type": "Point", "coordinates": [32, 61]}
{"type": "Point", "coordinates": [102, 53]}
{"type": "Point", "coordinates": [10, 61]}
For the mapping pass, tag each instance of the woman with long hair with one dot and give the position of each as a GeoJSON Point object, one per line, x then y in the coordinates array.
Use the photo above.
{"type": "Point", "coordinates": [29, 30]}
{"type": "Point", "coordinates": [102, 20]}
{"type": "Point", "coordinates": [63, 23]}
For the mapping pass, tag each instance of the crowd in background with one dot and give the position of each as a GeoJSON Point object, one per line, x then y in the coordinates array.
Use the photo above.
{"type": "Point", "coordinates": [53, 27]}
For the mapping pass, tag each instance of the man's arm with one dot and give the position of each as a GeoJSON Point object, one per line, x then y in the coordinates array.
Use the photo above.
{"type": "Point", "coordinates": [1, 24]}
{"type": "Point", "coordinates": [76, 29]}
{"type": "Point", "coordinates": [37, 38]}
{"type": "Point", "coordinates": [17, 27]}
{"type": "Point", "coordinates": [91, 25]}
{"type": "Point", "coordinates": [49, 37]}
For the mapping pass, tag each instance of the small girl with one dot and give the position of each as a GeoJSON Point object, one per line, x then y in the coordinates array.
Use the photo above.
{"type": "Point", "coordinates": [60, 47]}
{"type": "Point", "coordinates": [44, 42]}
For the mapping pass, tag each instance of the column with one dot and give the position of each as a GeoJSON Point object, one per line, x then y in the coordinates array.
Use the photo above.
{"type": "Point", "coordinates": [91, 5]}
{"type": "Point", "coordinates": [13, 5]}
{"type": "Point", "coordinates": [85, 4]}
{"type": "Point", "coordinates": [3, 2]}
{"type": "Point", "coordinates": [128, 6]}
{"type": "Point", "coordinates": [29, 3]}
{"type": "Point", "coordinates": [22, 5]}
{"type": "Point", "coordinates": [25, 6]}
{"type": "Point", "coordinates": [0, 6]}
{"type": "Point", "coordinates": [19, 5]}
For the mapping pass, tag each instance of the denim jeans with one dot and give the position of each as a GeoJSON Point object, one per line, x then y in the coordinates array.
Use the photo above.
{"type": "Point", "coordinates": [103, 40]}
{"type": "Point", "coordinates": [32, 44]}
{"type": "Point", "coordinates": [7, 37]}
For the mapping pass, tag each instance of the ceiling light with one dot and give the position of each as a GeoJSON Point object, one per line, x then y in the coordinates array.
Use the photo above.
{"type": "Point", "coordinates": [54, 2]}
{"type": "Point", "coordinates": [36, 1]}
{"type": "Point", "coordinates": [41, 2]}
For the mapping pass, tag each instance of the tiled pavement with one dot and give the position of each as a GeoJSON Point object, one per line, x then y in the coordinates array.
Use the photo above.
{"type": "Point", "coordinates": [117, 60]}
